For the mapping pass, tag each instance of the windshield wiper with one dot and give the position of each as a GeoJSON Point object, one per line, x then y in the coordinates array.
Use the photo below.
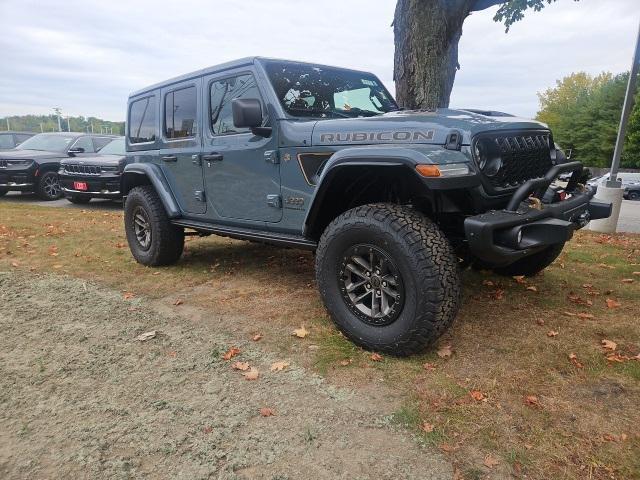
{"type": "Point", "coordinates": [316, 111]}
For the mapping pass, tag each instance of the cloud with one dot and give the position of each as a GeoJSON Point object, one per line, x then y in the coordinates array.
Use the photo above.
{"type": "Point", "coordinates": [86, 55]}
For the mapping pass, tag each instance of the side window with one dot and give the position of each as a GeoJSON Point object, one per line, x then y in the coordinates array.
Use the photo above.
{"type": "Point", "coordinates": [221, 94]}
{"type": "Point", "coordinates": [180, 113]}
{"type": "Point", "coordinates": [100, 142]}
{"type": "Point", "coordinates": [86, 143]}
{"type": "Point", "coordinates": [142, 120]}
{"type": "Point", "coordinates": [22, 138]}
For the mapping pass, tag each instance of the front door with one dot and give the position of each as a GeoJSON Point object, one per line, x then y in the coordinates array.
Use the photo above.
{"type": "Point", "coordinates": [241, 170]}
{"type": "Point", "coordinates": [181, 144]}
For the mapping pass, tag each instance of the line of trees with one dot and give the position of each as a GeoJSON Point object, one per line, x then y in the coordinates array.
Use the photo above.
{"type": "Point", "coordinates": [583, 111]}
{"type": "Point", "coordinates": [49, 123]}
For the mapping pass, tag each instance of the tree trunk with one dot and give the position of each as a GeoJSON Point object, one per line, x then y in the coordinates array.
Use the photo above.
{"type": "Point", "coordinates": [426, 36]}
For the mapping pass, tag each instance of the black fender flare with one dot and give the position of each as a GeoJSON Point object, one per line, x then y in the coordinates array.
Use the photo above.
{"type": "Point", "coordinates": [155, 177]}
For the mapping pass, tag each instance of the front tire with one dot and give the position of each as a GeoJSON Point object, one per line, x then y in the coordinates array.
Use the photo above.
{"type": "Point", "coordinates": [634, 196]}
{"type": "Point", "coordinates": [385, 250]}
{"type": "Point", "coordinates": [48, 187]}
{"type": "Point", "coordinates": [152, 239]}
{"type": "Point", "coordinates": [532, 264]}
{"type": "Point", "coordinates": [79, 200]}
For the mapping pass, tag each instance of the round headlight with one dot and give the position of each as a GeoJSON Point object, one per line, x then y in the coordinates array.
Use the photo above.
{"type": "Point", "coordinates": [488, 157]}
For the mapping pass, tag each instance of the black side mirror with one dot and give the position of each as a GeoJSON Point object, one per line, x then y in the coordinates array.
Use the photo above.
{"type": "Point", "coordinates": [75, 150]}
{"type": "Point", "coordinates": [247, 113]}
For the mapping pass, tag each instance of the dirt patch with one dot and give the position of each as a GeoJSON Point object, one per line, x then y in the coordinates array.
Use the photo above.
{"type": "Point", "coordinates": [81, 398]}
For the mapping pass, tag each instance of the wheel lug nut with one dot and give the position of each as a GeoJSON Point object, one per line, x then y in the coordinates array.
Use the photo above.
{"type": "Point", "coordinates": [368, 274]}
{"type": "Point", "coordinates": [368, 286]}
{"type": "Point", "coordinates": [384, 284]}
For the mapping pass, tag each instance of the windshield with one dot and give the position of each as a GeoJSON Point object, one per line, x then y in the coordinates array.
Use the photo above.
{"type": "Point", "coordinates": [307, 91]}
{"type": "Point", "coordinates": [6, 141]}
{"type": "Point", "coordinates": [115, 147]}
{"type": "Point", "coordinates": [47, 143]}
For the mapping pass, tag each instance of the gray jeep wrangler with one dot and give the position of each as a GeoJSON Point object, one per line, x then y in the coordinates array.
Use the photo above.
{"type": "Point", "coordinates": [393, 202]}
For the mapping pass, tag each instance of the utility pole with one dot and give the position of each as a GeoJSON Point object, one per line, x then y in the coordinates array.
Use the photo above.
{"type": "Point", "coordinates": [41, 128]}
{"type": "Point", "coordinates": [68, 124]}
{"type": "Point", "coordinates": [8, 126]}
{"type": "Point", "coordinates": [58, 111]}
{"type": "Point", "coordinates": [612, 190]}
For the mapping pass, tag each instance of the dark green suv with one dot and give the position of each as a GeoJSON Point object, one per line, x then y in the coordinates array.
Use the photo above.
{"type": "Point", "coordinates": [393, 202]}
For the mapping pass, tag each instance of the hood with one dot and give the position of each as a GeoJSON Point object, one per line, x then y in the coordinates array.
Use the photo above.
{"type": "Point", "coordinates": [31, 154]}
{"type": "Point", "coordinates": [414, 126]}
{"type": "Point", "coordinates": [102, 160]}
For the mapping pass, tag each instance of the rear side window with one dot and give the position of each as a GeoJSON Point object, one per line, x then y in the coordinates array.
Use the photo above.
{"type": "Point", "coordinates": [142, 120]}
{"type": "Point", "coordinates": [221, 94]}
{"type": "Point", "coordinates": [6, 141]}
{"type": "Point", "coordinates": [86, 144]}
{"type": "Point", "coordinates": [100, 142]}
{"type": "Point", "coordinates": [180, 113]}
{"type": "Point", "coordinates": [22, 138]}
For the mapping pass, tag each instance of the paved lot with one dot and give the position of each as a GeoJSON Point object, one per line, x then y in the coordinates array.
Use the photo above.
{"type": "Point", "coordinates": [629, 214]}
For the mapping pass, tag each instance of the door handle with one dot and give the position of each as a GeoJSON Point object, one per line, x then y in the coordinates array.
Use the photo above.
{"type": "Point", "coordinates": [213, 157]}
{"type": "Point", "coordinates": [169, 158]}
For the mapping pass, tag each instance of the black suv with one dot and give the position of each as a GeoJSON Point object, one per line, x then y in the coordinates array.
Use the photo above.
{"type": "Point", "coordinates": [33, 165]}
{"type": "Point", "coordinates": [9, 139]}
{"type": "Point", "coordinates": [98, 176]}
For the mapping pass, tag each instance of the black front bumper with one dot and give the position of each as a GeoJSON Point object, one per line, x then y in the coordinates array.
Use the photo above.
{"type": "Point", "coordinates": [501, 237]}
{"type": "Point", "coordinates": [18, 179]}
{"type": "Point", "coordinates": [104, 186]}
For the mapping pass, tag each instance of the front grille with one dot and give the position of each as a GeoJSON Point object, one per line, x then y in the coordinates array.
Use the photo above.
{"type": "Point", "coordinates": [524, 156]}
{"type": "Point", "coordinates": [82, 169]}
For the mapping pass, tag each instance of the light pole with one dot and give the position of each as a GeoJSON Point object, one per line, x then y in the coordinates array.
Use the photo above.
{"type": "Point", "coordinates": [612, 190]}
{"type": "Point", "coordinates": [58, 111]}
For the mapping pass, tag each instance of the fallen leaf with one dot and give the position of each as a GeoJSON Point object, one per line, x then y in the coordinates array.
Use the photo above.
{"type": "Point", "coordinates": [172, 354]}
{"type": "Point", "coordinates": [611, 303]}
{"type": "Point", "coordinates": [552, 333]}
{"type": "Point", "coordinates": [623, 437]}
{"type": "Point", "coordinates": [490, 461]}
{"type": "Point", "coordinates": [609, 345]}
{"type": "Point", "coordinates": [532, 288]}
{"type": "Point", "coordinates": [146, 336]}
{"type": "Point", "coordinates": [267, 412]}
{"type": "Point", "coordinates": [207, 429]}
{"type": "Point", "coordinates": [447, 448]}
{"type": "Point", "coordinates": [609, 438]}
{"type": "Point", "coordinates": [628, 280]}
{"type": "Point", "coordinates": [445, 351]}
{"type": "Point", "coordinates": [498, 294]}
{"type": "Point", "coordinates": [128, 295]}
{"type": "Point", "coordinates": [279, 366]}
{"type": "Point", "coordinates": [232, 352]}
{"type": "Point", "coordinates": [573, 358]}
{"type": "Point", "coordinates": [540, 322]}
{"type": "Point", "coordinates": [636, 273]}
{"type": "Point", "coordinates": [585, 316]}
{"type": "Point", "coordinates": [243, 366]}
{"type": "Point", "coordinates": [520, 279]}
{"type": "Point", "coordinates": [177, 302]}
{"type": "Point", "coordinates": [156, 273]}
{"type": "Point", "coordinates": [532, 401]}
{"type": "Point", "coordinates": [376, 357]}
{"type": "Point", "coordinates": [346, 361]}
{"type": "Point", "coordinates": [257, 337]}
{"type": "Point", "coordinates": [15, 264]}
{"type": "Point", "coordinates": [427, 427]}
{"type": "Point", "coordinates": [430, 367]}
{"type": "Point", "coordinates": [477, 395]}
{"type": "Point", "coordinates": [300, 332]}
{"type": "Point", "coordinates": [616, 357]}
{"type": "Point", "coordinates": [569, 314]}
{"type": "Point", "coordinates": [252, 374]}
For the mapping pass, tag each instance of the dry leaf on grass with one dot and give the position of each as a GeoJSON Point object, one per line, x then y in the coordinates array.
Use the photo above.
{"type": "Point", "coordinates": [447, 448]}
{"type": "Point", "coordinates": [300, 332]}
{"type": "Point", "coordinates": [146, 336]}
{"type": "Point", "coordinates": [445, 351]}
{"type": "Point", "coordinates": [532, 401]}
{"type": "Point", "coordinates": [636, 273]}
{"type": "Point", "coordinates": [490, 461]}
{"type": "Point", "coordinates": [178, 302]}
{"type": "Point", "coordinates": [573, 358]}
{"type": "Point", "coordinates": [627, 280]}
{"type": "Point", "coordinates": [207, 429]}
{"type": "Point", "coordinates": [376, 357]}
{"type": "Point", "coordinates": [585, 316]}
{"type": "Point", "coordinates": [252, 374]}
{"type": "Point", "coordinates": [477, 395]}
{"type": "Point", "coordinates": [257, 337]}
{"type": "Point", "coordinates": [346, 361]}
{"type": "Point", "coordinates": [232, 352]}
{"type": "Point", "coordinates": [611, 303]}
{"type": "Point", "coordinates": [520, 279]}
{"type": "Point", "coordinates": [532, 288]}
{"type": "Point", "coordinates": [429, 367]}
{"type": "Point", "coordinates": [267, 412]}
{"type": "Point", "coordinates": [15, 264]}
{"type": "Point", "coordinates": [552, 333]}
{"type": "Point", "coordinates": [609, 345]}
{"type": "Point", "coordinates": [128, 295]}
{"type": "Point", "coordinates": [427, 427]}
{"type": "Point", "coordinates": [498, 294]}
{"type": "Point", "coordinates": [243, 366]}
{"type": "Point", "coordinates": [279, 366]}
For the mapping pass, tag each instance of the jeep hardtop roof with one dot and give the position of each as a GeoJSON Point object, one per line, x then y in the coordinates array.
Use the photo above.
{"type": "Point", "coordinates": [241, 62]}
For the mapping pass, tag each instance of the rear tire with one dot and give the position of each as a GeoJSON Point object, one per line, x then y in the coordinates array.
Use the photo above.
{"type": "Point", "coordinates": [79, 200]}
{"type": "Point", "coordinates": [48, 187]}
{"type": "Point", "coordinates": [416, 268]}
{"type": "Point", "coordinates": [152, 239]}
{"type": "Point", "coordinates": [533, 264]}
{"type": "Point", "coordinates": [634, 195]}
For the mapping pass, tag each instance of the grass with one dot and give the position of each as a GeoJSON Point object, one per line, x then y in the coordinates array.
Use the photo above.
{"type": "Point", "coordinates": [582, 425]}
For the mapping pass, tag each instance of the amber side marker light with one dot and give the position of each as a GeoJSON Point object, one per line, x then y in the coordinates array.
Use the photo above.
{"type": "Point", "coordinates": [428, 170]}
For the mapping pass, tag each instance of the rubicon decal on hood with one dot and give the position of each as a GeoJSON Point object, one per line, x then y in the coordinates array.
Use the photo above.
{"type": "Point", "coordinates": [390, 136]}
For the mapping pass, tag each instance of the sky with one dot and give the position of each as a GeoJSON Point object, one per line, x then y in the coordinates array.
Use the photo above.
{"type": "Point", "coordinates": [86, 56]}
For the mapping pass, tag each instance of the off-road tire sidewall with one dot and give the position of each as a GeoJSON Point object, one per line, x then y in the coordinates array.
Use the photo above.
{"type": "Point", "coordinates": [167, 240]}
{"type": "Point", "coordinates": [424, 260]}
{"type": "Point", "coordinates": [40, 188]}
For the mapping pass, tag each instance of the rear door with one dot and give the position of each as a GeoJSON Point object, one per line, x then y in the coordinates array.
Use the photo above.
{"type": "Point", "coordinates": [242, 173]}
{"type": "Point", "coordinates": [181, 144]}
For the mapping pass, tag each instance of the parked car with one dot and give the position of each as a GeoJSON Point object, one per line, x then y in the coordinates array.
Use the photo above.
{"type": "Point", "coordinates": [627, 178]}
{"type": "Point", "coordinates": [98, 176]}
{"type": "Point", "coordinates": [33, 165]}
{"type": "Point", "coordinates": [310, 156]}
{"type": "Point", "coordinates": [10, 139]}
{"type": "Point", "coordinates": [632, 192]}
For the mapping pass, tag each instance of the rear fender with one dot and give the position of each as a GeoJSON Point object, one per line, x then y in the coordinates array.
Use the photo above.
{"type": "Point", "coordinates": [136, 174]}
